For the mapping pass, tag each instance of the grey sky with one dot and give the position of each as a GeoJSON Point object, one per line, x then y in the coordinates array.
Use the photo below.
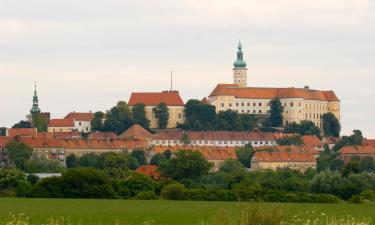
{"type": "Point", "coordinates": [87, 55]}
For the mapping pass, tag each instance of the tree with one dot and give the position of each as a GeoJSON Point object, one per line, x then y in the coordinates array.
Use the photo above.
{"type": "Point", "coordinates": [292, 128]}
{"type": "Point", "coordinates": [186, 164]}
{"type": "Point", "coordinates": [119, 165]}
{"type": "Point", "coordinates": [331, 125]}
{"type": "Point", "coordinates": [276, 113]}
{"type": "Point", "coordinates": [244, 155]}
{"type": "Point", "coordinates": [97, 121]}
{"type": "Point", "coordinates": [290, 140]}
{"type": "Point", "coordinates": [11, 178]}
{"type": "Point", "coordinates": [185, 139]}
{"type": "Point", "coordinates": [162, 115]}
{"type": "Point", "coordinates": [199, 115]}
{"type": "Point", "coordinates": [174, 191]}
{"type": "Point", "coordinates": [90, 160]}
{"type": "Point", "coordinates": [42, 165]}
{"type": "Point", "coordinates": [230, 165]}
{"type": "Point", "coordinates": [308, 127]}
{"type": "Point", "coordinates": [158, 159]}
{"type": "Point", "coordinates": [353, 166]}
{"type": "Point", "coordinates": [367, 164]}
{"type": "Point", "coordinates": [3, 131]}
{"type": "Point", "coordinates": [139, 154]}
{"type": "Point", "coordinates": [139, 116]}
{"type": "Point", "coordinates": [119, 118]}
{"type": "Point", "coordinates": [248, 121]}
{"type": "Point", "coordinates": [22, 124]}
{"type": "Point", "coordinates": [167, 153]}
{"type": "Point", "coordinates": [71, 161]}
{"type": "Point", "coordinates": [137, 183]}
{"type": "Point", "coordinates": [19, 153]}
{"type": "Point", "coordinates": [39, 122]}
{"type": "Point", "coordinates": [229, 120]}
{"type": "Point", "coordinates": [355, 139]}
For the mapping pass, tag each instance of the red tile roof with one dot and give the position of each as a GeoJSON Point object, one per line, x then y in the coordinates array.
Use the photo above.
{"type": "Point", "coordinates": [103, 135]}
{"type": "Point", "coordinates": [171, 98]}
{"type": "Point", "coordinates": [369, 142]}
{"type": "Point", "coordinates": [80, 116]}
{"type": "Point", "coordinates": [283, 157]}
{"type": "Point", "coordinates": [4, 141]}
{"type": "Point", "coordinates": [311, 140]}
{"type": "Point", "coordinates": [357, 150]}
{"type": "Point", "coordinates": [41, 142]}
{"type": "Point", "coordinates": [136, 132]}
{"type": "Point", "coordinates": [149, 170]}
{"type": "Point", "coordinates": [102, 144]}
{"type": "Point", "coordinates": [12, 132]}
{"type": "Point", "coordinates": [269, 93]}
{"type": "Point", "coordinates": [210, 153]}
{"type": "Point", "coordinates": [61, 123]}
{"type": "Point", "coordinates": [293, 149]}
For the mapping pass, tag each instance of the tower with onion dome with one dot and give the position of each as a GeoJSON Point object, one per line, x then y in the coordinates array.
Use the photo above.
{"type": "Point", "coordinates": [240, 70]}
{"type": "Point", "coordinates": [35, 109]}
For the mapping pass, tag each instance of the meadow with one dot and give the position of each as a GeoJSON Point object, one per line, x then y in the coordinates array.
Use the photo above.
{"type": "Point", "coordinates": [160, 212]}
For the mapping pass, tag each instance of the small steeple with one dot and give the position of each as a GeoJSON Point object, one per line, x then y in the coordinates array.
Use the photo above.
{"type": "Point", "coordinates": [239, 63]}
{"type": "Point", "coordinates": [35, 108]}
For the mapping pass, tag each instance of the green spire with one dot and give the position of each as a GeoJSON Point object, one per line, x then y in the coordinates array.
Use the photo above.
{"type": "Point", "coordinates": [239, 63]}
{"type": "Point", "coordinates": [35, 108]}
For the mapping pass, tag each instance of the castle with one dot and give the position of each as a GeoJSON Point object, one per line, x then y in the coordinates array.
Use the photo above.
{"type": "Point", "coordinates": [299, 103]}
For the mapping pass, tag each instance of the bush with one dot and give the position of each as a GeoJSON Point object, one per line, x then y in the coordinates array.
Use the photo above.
{"type": "Point", "coordinates": [146, 195]}
{"type": "Point", "coordinates": [175, 191]}
{"type": "Point", "coordinates": [368, 194]}
{"type": "Point", "coordinates": [137, 183]}
{"type": "Point", "coordinates": [356, 199]}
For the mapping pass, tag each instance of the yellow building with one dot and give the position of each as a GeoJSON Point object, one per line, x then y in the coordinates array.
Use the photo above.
{"type": "Point", "coordinates": [299, 103]}
{"type": "Point", "coordinates": [152, 99]}
{"type": "Point", "coordinates": [61, 125]}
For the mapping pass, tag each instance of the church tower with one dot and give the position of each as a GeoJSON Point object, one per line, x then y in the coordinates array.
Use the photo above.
{"type": "Point", "coordinates": [240, 70]}
{"type": "Point", "coordinates": [35, 109]}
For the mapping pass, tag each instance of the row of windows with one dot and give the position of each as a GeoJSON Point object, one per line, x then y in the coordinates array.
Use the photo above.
{"type": "Point", "coordinates": [260, 104]}
{"type": "Point", "coordinates": [217, 142]}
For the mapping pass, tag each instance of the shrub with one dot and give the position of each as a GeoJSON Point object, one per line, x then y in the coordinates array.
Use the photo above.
{"type": "Point", "coordinates": [146, 195]}
{"type": "Point", "coordinates": [355, 199]}
{"type": "Point", "coordinates": [174, 192]}
{"type": "Point", "coordinates": [368, 194]}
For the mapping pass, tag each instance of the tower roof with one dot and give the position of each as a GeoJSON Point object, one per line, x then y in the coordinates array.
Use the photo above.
{"type": "Point", "coordinates": [35, 108]}
{"type": "Point", "coordinates": [239, 63]}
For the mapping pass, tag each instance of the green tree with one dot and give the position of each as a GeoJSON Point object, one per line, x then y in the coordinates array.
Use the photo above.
{"type": "Point", "coordinates": [11, 178]}
{"type": "Point", "coordinates": [175, 191]}
{"type": "Point", "coordinates": [119, 118]}
{"type": "Point", "coordinates": [292, 128]}
{"type": "Point", "coordinates": [158, 159]}
{"type": "Point", "coordinates": [22, 124]}
{"type": "Point", "coordinates": [162, 115]}
{"type": "Point", "coordinates": [42, 165]}
{"type": "Point", "coordinates": [118, 165]}
{"type": "Point", "coordinates": [248, 121]}
{"type": "Point", "coordinates": [39, 122]}
{"type": "Point", "coordinates": [199, 115]}
{"type": "Point", "coordinates": [19, 153]}
{"type": "Point", "coordinates": [308, 127]}
{"type": "Point", "coordinates": [367, 164]}
{"type": "Point", "coordinates": [139, 154]}
{"type": "Point", "coordinates": [244, 155]}
{"type": "Point", "coordinates": [229, 120]}
{"type": "Point", "coordinates": [290, 140]}
{"type": "Point", "coordinates": [331, 125]}
{"type": "Point", "coordinates": [276, 113]}
{"type": "Point", "coordinates": [167, 153]}
{"type": "Point", "coordinates": [90, 160]}
{"type": "Point", "coordinates": [97, 122]}
{"type": "Point", "coordinates": [139, 116]}
{"type": "Point", "coordinates": [3, 131]}
{"type": "Point", "coordinates": [231, 165]}
{"type": "Point", "coordinates": [137, 183]}
{"type": "Point", "coordinates": [71, 161]}
{"type": "Point", "coordinates": [185, 139]}
{"type": "Point", "coordinates": [353, 166]}
{"type": "Point", "coordinates": [186, 164]}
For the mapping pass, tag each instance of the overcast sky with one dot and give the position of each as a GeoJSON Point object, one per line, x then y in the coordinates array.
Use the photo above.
{"type": "Point", "coordinates": [88, 54]}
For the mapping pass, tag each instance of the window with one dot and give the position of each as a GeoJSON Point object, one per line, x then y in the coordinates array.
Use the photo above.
{"type": "Point", "coordinates": [248, 104]}
{"type": "Point", "coordinates": [260, 104]}
{"type": "Point", "coordinates": [236, 103]}
{"type": "Point", "coordinates": [242, 104]}
{"type": "Point", "coordinates": [230, 104]}
{"type": "Point", "coordinates": [242, 111]}
{"type": "Point", "coordinates": [254, 104]}
{"type": "Point", "coordinates": [222, 105]}
{"type": "Point", "coordinates": [80, 123]}
{"type": "Point", "coordinates": [260, 111]}
{"type": "Point", "coordinates": [248, 111]}
{"type": "Point", "coordinates": [291, 104]}
{"type": "Point", "coordinates": [179, 115]}
{"type": "Point", "coordinates": [254, 111]}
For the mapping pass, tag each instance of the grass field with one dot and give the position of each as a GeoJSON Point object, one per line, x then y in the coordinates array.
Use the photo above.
{"type": "Point", "coordinates": [131, 212]}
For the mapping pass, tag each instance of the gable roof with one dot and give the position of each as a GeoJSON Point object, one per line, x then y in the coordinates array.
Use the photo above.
{"type": "Point", "coordinates": [283, 157]}
{"type": "Point", "coordinates": [290, 149]}
{"type": "Point", "coordinates": [269, 93]}
{"type": "Point", "coordinates": [41, 142]}
{"type": "Point", "coordinates": [102, 135]}
{"type": "Point", "coordinates": [80, 116]}
{"type": "Point", "coordinates": [170, 98]}
{"type": "Point", "coordinates": [102, 144]}
{"type": "Point", "coordinates": [210, 153]}
{"type": "Point", "coordinates": [61, 123]}
{"type": "Point", "coordinates": [350, 149]}
{"type": "Point", "coordinates": [149, 170]}
{"type": "Point", "coordinates": [136, 132]}
{"type": "Point", "coordinates": [369, 142]}
{"type": "Point", "coordinates": [311, 140]}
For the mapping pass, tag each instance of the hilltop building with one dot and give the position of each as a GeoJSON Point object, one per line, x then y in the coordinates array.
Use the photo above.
{"type": "Point", "coordinates": [299, 103]}
{"type": "Point", "coordinates": [152, 99]}
{"type": "Point", "coordinates": [35, 110]}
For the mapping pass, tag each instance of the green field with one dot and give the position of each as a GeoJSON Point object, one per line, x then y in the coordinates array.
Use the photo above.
{"type": "Point", "coordinates": [132, 212]}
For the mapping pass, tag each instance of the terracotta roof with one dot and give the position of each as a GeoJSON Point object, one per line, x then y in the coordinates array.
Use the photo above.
{"type": "Point", "coordinates": [149, 170]}
{"type": "Point", "coordinates": [80, 116]}
{"type": "Point", "coordinates": [61, 123]}
{"type": "Point", "coordinates": [269, 93]}
{"type": "Point", "coordinates": [136, 132]}
{"type": "Point", "coordinates": [332, 140]}
{"type": "Point", "coordinates": [293, 149]}
{"type": "Point", "coordinates": [210, 153]}
{"type": "Point", "coordinates": [41, 142]}
{"type": "Point", "coordinates": [357, 150]}
{"type": "Point", "coordinates": [283, 157]}
{"type": "Point", "coordinates": [102, 144]}
{"type": "Point", "coordinates": [103, 135]}
{"type": "Point", "coordinates": [12, 132]}
{"type": "Point", "coordinates": [4, 141]}
{"type": "Point", "coordinates": [171, 98]}
{"type": "Point", "coordinates": [311, 140]}
{"type": "Point", "coordinates": [215, 135]}
{"type": "Point", "coordinates": [369, 142]}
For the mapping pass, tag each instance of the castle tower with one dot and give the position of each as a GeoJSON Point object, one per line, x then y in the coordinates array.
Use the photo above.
{"type": "Point", "coordinates": [240, 70]}
{"type": "Point", "coordinates": [35, 109]}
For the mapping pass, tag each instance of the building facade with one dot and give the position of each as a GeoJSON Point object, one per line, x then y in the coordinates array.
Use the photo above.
{"type": "Point", "coordinates": [152, 99]}
{"type": "Point", "coordinates": [82, 121]}
{"type": "Point", "coordinates": [299, 103]}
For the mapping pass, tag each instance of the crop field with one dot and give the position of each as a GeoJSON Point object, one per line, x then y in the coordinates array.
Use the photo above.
{"type": "Point", "coordinates": [159, 212]}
